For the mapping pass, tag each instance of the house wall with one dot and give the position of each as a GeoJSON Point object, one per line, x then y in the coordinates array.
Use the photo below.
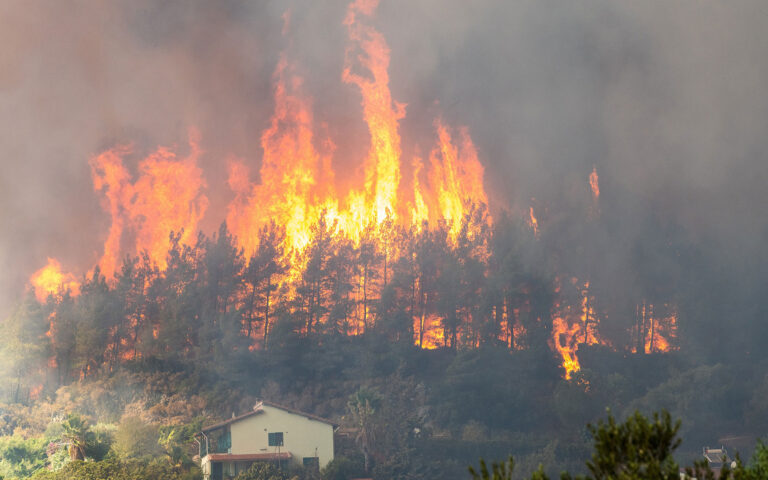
{"type": "Point", "coordinates": [302, 436]}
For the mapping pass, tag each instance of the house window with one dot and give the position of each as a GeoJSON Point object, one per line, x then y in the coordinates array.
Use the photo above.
{"type": "Point", "coordinates": [224, 442]}
{"type": "Point", "coordinates": [276, 439]}
{"type": "Point", "coordinates": [311, 463]}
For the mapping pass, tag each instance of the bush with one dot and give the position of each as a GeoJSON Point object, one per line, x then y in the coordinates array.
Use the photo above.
{"type": "Point", "coordinates": [135, 439]}
{"type": "Point", "coordinates": [342, 468]}
{"type": "Point", "coordinates": [114, 469]}
{"type": "Point", "coordinates": [21, 457]}
{"type": "Point", "coordinates": [262, 471]}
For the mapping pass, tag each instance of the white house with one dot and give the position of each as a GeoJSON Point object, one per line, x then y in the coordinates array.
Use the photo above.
{"type": "Point", "coordinates": [268, 433]}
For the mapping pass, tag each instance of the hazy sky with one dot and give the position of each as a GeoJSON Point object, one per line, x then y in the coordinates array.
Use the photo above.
{"type": "Point", "coordinates": [665, 99]}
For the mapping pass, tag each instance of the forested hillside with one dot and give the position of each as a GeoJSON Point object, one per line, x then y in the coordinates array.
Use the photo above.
{"type": "Point", "coordinates": [148, 356]}
{"type": "Point", "coordinates": [455, 229]}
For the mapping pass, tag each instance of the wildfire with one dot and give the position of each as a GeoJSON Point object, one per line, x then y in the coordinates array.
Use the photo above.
{"type": "Point", "coordinates": [51, 280]}
{"type": "Point", "coordinates": [594, 184]}
{"type": "Point", "coordinates": [290, 173]}
{"type": "Point", "coordinates": [297, 182]}
{"type": "Point", "coordinates": [297, 188]}
{"type": "Point", "coordinates": [660, 329]}
{"type": "Point", "coordinates": [166, 197]}
{"type": "Point", "coordinates": [533, 222]}
{"type": "Point", "coordinates": [428, 334]}
{"type": "Point", "coordinates": [34, 392]}
{"type": "Point", "coordinates": [564, 341]}
{"type": "Point", "coordinates": [573, 328]}
{"type": "Point", "coordinates": [381, 112]}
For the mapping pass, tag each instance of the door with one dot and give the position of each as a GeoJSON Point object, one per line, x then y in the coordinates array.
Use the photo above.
{"type": "Point", "coordinates": [217, 471]}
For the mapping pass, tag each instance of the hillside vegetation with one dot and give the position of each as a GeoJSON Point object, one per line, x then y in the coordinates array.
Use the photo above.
{"type": "Point", "coordinates": [124, 372]}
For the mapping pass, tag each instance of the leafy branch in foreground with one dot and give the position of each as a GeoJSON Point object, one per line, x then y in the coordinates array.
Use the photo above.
{"type": "Point", "coordinates": [638, 448]}
{"type": "Point", "coordinates": [499, 471]}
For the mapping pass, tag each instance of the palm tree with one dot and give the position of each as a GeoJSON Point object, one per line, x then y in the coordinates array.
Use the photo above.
{"type": "Point", "coordinates": [76, 432]}
{"type": "Point", "coordinates": [362, 406]}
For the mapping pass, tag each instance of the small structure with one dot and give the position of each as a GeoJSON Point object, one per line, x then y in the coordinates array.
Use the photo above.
{"type": "Point", "coordinates": [269, 433]}
{"type": "Point", "coordinates": [716, 457]}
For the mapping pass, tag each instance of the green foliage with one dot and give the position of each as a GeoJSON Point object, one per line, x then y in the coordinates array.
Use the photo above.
{"type": "Point", "coordinates": [114, 469]}
{"type": "Point", "coordinates": [57, 458]}
{"type": "Point", "coordinates": [343, 468]}
{"type": "Point", "coordinates": [99, 441]}
{"type": "Point", "coordinates": [19, 458]}
{"type": "Point", "coordinates": [362, 407]}
{"type": "Point", "coordinates": [758, 464]}
{"type": "Point", "coordinates": [262, 471]}
{"type": "Point", "coordinates": [136, 439]}
{"type": "Point", "coordinates": [176, 441]}
{"type": "Point", "coordinates": [636, 448]}
{"type": "Point", "coordinates": [691, 390]}
{"type": "Point", "coordinates": [23, 350]}
{"type": "Point", "coordinates": [76, 435]}
{"type": "Point", "coordinates": [757, 469]}
{"type": "Point", "coordinates": [218, 328]}
{"type": "Point", "coordinates": [498, 471]}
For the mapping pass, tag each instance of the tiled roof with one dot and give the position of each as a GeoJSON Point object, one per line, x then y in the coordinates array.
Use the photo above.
{"type": "Point", "coordinates": [232, 420]}
{"type": "Point", "coordinates": [257, 409]}
{"type": "Point", "coordinates": [297, 412]}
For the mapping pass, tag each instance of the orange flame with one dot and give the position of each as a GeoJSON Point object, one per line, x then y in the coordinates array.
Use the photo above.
{"type": "Point", "coordinates": [565, 342]}
{"type": "Point", "coordinates": [570, 330]}
{"type": "Point", "coordinates": [533, 222]}
{"type": "Point", "coordinates": [457, 179]}
{"type": "Point", "coordinates": [433, 335]}
{"type": "Point", "coordinates": [419, 210]}
{"type": "Point", "coordinates": [594, 184]}
{"type": "Point", "coordinates": [50, 280]}
{"type": "Point", "coordinates": [296, 186]}
{"type": "Point", "coordinates": [381, 112]}
{"type": "Point", "coordinates": [518, 331]}
{"type": "Point", "coordinates": [34, 392]}
{"type": "Point", "coordinates": [660, 331]}
{"type": "Point", "coordinates": [297, 182]}
{"type": "Point", "coordinates": [289, 172]}
{"type": "Point", "coordinates": [166, 197]}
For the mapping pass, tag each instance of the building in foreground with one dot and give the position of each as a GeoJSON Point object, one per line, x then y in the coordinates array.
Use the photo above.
{"type": "Point", "coordinates": [268, 433]}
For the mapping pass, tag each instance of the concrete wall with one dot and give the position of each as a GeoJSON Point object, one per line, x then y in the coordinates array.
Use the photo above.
{"type": "Point", "coordinates": [302, 436]}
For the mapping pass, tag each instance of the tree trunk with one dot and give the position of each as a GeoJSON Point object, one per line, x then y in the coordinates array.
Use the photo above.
{"type": "Point", "coordinates": [266, 311]}
{"type": "Point", "coordinates": [423, 313]}
{"type": "Point", "coordinates": [251, 309]}
{"type": "Point", "coordinates": [365, 299]}
{"type": "Point", "coordinates": [653, 327]}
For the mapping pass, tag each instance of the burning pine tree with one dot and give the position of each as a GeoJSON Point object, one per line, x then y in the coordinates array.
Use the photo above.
{"type": "Point", "coordinates": [411, 252]}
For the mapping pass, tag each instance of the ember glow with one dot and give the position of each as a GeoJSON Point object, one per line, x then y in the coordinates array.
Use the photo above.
{"type": "Point", "coordinates": [594, 184]}
{"type": "Point", "coordinates": [575, 326]}
{"type": "Point", "coordinates": [572, 327]}
{"type": "Point", "coordinates": [657, 326]}
{"type": "Point", "coordinates": [533, 221]}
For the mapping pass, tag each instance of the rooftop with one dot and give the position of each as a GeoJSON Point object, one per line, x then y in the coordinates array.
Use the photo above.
{"type": "Point", "coordinates": [258, 409]}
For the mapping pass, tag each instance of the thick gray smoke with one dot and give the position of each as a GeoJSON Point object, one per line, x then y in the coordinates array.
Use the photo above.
{"type": "Point", "coordinates": [665, 99]}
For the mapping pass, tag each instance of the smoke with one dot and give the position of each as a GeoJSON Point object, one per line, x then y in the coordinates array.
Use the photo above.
{"type": "Point", "coordinates": [664, 100]}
